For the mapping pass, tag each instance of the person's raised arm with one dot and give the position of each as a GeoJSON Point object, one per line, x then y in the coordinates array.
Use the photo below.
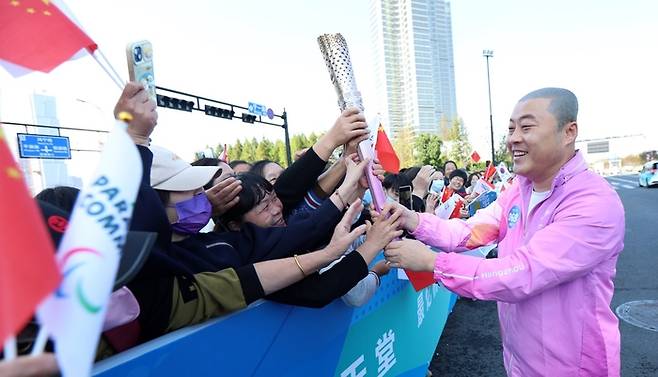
{"type": "Point", "coordinates": [350, 124]}
{"type": "Point", "coordinates": [135, 101]}
{"type": "Point", "coordinates": [280, 273]}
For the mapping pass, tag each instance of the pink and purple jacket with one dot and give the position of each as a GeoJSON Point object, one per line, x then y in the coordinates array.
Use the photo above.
{"type": "Point", "coordinates": [553, 278]}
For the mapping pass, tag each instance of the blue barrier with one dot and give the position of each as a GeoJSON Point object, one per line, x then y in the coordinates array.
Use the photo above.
{"type": "Point", "coordinates": [396, 333]}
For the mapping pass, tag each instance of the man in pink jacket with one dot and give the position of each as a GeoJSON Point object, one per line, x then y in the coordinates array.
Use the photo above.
{"type": "Point", "coordinates": [559, 230]}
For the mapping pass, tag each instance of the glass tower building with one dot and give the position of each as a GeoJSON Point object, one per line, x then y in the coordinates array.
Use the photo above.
{"type": "Point", "coordinates": [414, 65]}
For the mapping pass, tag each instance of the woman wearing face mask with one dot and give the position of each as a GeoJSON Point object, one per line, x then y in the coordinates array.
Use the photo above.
{"type": "Point", "coordinates": [188, 210]}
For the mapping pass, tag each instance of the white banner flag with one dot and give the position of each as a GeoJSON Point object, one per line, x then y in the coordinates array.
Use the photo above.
{"type": "Point", "coordinates": [446, 209]}
{"type": "Point", "coordinates": [89, 254]}
{"type": "Point", "coordinates": [481, 186]}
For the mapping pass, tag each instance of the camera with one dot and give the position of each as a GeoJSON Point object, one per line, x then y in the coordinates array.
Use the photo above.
{"type": "Point", "coordinates": [137, 54]}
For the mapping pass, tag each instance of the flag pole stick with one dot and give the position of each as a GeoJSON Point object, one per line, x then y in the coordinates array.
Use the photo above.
{"type": "Point", "coordinates": [10, 348]}
{"type": "Point", "coordinates": [40, 341]}
{"type": "Point", "coordinates": [107, 67]}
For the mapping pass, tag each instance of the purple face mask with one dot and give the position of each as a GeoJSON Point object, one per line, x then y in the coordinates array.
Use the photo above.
{"type": "Point", "coordinates": [193, 214]}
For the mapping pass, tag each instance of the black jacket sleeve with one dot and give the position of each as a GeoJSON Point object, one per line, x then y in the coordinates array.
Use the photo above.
{"type": "Point", "coordinates": [149, 214]}
{"type": "Point", "coordinates": [297, 179]}
{"type": "Point", "coordinates": [305, 233]}
{"type": "Point", "coordinates": [318, 290]}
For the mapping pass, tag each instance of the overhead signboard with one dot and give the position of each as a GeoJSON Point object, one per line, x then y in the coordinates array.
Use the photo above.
{"type": "Point", "coordinates": [44, 146]}
{"type": "Point", "coordinates": [257, 109]}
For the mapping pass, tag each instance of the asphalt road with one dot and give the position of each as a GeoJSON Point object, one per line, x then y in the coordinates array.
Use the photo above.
{"type": "Point", "coordinates": [470, 344]}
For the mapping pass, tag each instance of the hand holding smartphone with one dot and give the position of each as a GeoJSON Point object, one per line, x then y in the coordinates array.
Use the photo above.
{"type": "Point", "coordinates": [140, 65]}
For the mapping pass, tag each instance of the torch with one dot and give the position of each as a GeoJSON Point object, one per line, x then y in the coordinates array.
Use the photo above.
{"type": "Point", "coordinates": [337, 58]}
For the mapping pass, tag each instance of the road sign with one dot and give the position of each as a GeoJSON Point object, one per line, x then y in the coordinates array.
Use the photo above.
{"type": "Point", "coordinates": [270, 113]}
{"type": "Point", "coordinates": [257, 109]}
{"type": "Point", "coordinates": [44, 146]}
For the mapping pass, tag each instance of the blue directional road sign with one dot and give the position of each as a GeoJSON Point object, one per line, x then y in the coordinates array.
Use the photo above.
{"type": "Point", "coordinates": [257, 109]}
{"type": "Point", "coordinates": [44, 146]}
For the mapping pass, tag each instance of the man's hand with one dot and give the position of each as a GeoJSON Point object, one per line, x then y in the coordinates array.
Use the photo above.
{"type": "Point", "coordinates": [135, 101]}
{"type": "Point", "coordinates": [410, 254]}
{"type": "Point", "coordinates": [224, 195]}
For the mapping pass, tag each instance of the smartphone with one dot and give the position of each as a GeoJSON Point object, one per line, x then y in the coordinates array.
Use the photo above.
{"type": "Point", "coordinates": [405, 197]}
{"type": "Point", "coordinates": [140, 65]}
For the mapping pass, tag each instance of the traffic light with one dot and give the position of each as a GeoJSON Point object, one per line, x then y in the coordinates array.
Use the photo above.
{"type": "Point", "coordinates": [248, 118]}
{"type": "Point", "coordinates": [220, 113]}
{"type": "Point", "coordinates": [175, 103]}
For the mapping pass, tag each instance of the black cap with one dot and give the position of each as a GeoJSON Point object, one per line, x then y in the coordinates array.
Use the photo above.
{"type": "Point", "coordinates": [135, 251]}
{"type": "Point", "coordinates": [459, 173]}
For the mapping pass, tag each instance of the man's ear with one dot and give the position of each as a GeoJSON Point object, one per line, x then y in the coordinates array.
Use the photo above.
{"type": "Point", "coordinates": [234, 225]}
{"type": "Point", "coordinates": [570, 131]}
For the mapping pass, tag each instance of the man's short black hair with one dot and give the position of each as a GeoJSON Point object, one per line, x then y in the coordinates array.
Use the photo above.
{"type": "Point", "coordinates": [449, 162]}
{"type": "Point", "coordinates": [563, 106]}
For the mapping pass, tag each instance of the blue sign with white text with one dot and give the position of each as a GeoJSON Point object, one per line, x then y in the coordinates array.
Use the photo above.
{"type": "Point", "coordinates": [257, 109]}
{"type": "Point", "coordinates": [44, 146]}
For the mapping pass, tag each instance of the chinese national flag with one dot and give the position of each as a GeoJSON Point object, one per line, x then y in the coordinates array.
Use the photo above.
{"type": "Point", "coordinates": [36, 35]}
{"type": "Point", "coordinates": [385, 152]}
{"type": "Point", "coordinates": [490, 172]}
{"type": "Point", "coordinates": [27, 260]}
{"type": "Point", "coordinates": [475, 156]}
{"type": "Point", "coordinates": [446, 194]}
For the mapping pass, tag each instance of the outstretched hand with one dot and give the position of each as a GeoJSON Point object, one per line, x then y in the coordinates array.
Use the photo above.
{"type": "Point", "coordinates": [342, 236]}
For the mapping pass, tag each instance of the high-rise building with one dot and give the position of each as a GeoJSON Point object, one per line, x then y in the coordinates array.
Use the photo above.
{"type": "Point", "coordinates": [414, 63]}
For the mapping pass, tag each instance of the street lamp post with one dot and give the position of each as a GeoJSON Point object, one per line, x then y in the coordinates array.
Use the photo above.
{"type": "Point", "coordinates": [489, 54]}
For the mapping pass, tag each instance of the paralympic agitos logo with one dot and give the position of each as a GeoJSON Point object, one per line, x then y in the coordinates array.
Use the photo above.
{"type": "Point", "coordinates": [67, 275]}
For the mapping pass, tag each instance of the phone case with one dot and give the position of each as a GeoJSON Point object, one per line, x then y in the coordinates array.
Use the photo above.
{"type": "Point", "coordinates": [140, 65]}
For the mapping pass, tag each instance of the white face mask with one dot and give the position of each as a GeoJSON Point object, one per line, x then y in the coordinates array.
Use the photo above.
{"type": "Point", "coordinates": [390, 200]}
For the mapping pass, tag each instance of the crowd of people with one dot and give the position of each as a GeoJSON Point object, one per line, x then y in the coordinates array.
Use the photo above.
{"type": "Point", "coordinates": [229, 234]}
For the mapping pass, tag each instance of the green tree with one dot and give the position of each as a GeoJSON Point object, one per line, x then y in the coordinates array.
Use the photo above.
{"type": "Point", "coordinates": [501, 153]}
{"type": "Point", "coordinates": [264, 150]}
{"type": "Point", "coordinates": [312, 139]}
{"type": "Point", "coordinates": [300, 141]}
{"type": "Point", "coordinates": [279, 154]}
{"type": "Point", "coordinates": [461, 148]}
{"type": "Point", "coordinates": [249, 150]}
{"type": "Point", "coordinates": [428, 150]}
{"type": "Point", "coordinates": [235, 150]}
{"type": "Point", "coordinates": [403, 143]}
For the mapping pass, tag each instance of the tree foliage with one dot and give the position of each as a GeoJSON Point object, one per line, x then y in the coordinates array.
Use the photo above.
{"type": "Point", "coordinates": [501, 153]}
{"type": "Point", "coordinates": [403, 143]}
{"type": "Point", "coordinates": [428, 150]}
